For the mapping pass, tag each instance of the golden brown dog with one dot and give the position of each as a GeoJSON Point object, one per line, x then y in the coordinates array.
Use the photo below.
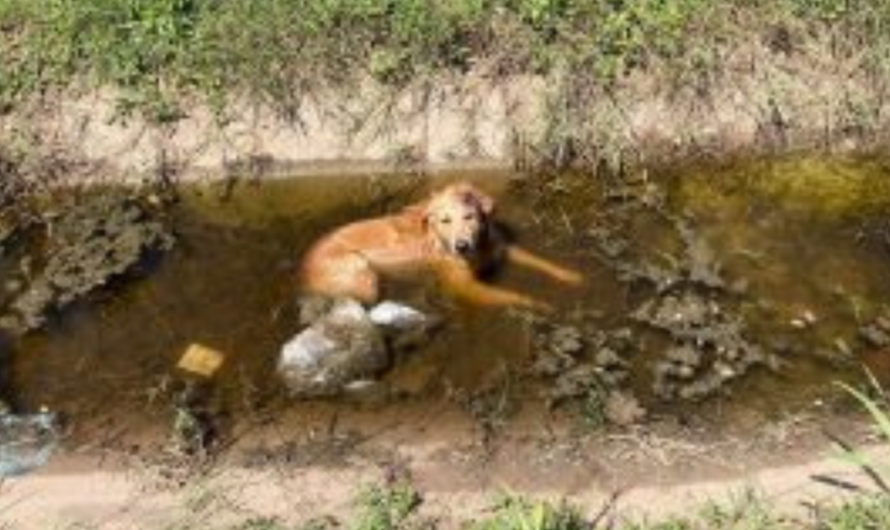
{"type": "Point", "coordinates": [450, 234]}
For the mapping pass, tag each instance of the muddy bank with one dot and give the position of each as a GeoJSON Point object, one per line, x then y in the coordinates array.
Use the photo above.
{"type": "Point", "coordinates": [74, 491]}
{"type": "Point", "coordinates": [762, 102]}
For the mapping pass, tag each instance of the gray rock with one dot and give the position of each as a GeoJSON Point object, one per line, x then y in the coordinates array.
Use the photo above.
{"type": "Point", "coordinates": [623, 409]}
{"type": "Point", "coordinates": [312, 308]}
{"type": "Point", "coordinates": [874, 336]}
{"type": "Point", "coordinates": [97, 238]}
{"type": "Point", "coordinates": [404, 327]}
{"type": "Point", "coordinates": [26, 442]}
{"type": "Point", "coordinates": [341, 347]}
{"type": "Point", "coordinates": [397, 316]}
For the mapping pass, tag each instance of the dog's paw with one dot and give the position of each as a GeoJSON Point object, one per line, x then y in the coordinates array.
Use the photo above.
{"type": "Point", "coordinates": [570, 277]}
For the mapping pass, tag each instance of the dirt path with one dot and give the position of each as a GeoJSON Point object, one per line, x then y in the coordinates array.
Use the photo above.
{"type": "Point", "coordinates": [648, 473]}
{"type": "Point", "coordinates": [64, 495]}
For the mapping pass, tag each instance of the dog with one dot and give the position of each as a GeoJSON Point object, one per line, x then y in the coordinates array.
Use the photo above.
{"type": "Point", "coordinates": [452, 234]}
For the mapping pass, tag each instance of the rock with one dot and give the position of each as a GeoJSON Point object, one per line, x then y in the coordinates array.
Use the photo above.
{"type": "Point", "coordinates": [578, 382]}
{"type": "Point", "coordinates": [367, 391]}
{"type": "Point", "coordinates": [701, 262]}
{"type": "Point", "coordinates": [883, 322]}
{"type": "Point", "coordinates": [404, 327]}
{"type": "Point", "coordinates": [607, 358]}
{"type": "Point", "coordinates": [26, 441]}
{"type": "Point", "coordinates": [875, 336]}
{"type": "Point", "coordinates": [623, 409]}
{"type": "Point", "coordinates": [551, 365]}
{"type": "Point", "coordinates": [397, 316]}
{"type": "Point", "coordinates": [684, 355]}
{"type": "Point", "coordinates": [312, 308]}
{"type": "Point", "coordinates": [341, 347]}
{"type": "Point", "coordinates": [97, 238]}
{"type": "Point", "coordinates": [566, 340]}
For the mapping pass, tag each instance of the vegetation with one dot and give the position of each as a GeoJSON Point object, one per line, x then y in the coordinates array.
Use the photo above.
{"type": "Point", "coordinates": [389, 508]}
{"type": "Point", "coordinates": [396, 507]}
{"type": "Point", "coordinates": [160, 58]}
{"type": "Point", "coordinates": [158, 53]}
{"type": "Point", "coordinates": [516, 513]}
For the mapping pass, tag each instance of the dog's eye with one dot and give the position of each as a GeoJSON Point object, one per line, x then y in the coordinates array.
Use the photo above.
{"type": "Point", "coordinates": [445, 220]}
{"type": "Point", "coordinates": [469, 217]}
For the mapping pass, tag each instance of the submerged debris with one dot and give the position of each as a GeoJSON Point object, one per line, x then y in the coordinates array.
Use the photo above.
{"type": "Point", "coordinates": [99, 237]}
{"type": "Point", "coordinates": [201, 360]}
{"type": "Point", "coordinates": [877, 332]}
{"type": "Point", "coordinates": [345, 345]}
{"type": "Point", "coordinates": [26, 441]}
{"type": "Point", "coordinates": [690, 302]}
{"type": "Point", "coordinates": [588, 369]}
{"type": "Point", "coordinates": [342, 346]}
{"type": "Point", "coordinates": [194, 427]}
{"type": "Point", "coordinates": [709, 347]}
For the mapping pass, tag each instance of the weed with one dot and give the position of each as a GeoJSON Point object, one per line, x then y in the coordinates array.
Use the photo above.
{"type": "Point", "coordinates": [747, 512]}
{"type": "Point", "coordinates": [385, 508]}
{"type": "Point", "coordinates": [517, 513]}
{"type": "Point", "coordinates": [876, 406]}
{"type": "Point", "coordinates": [869, 513]}
{"type": "Point", "coordinates": [272, 523]}
{"type": "Point", "coordinates": [160, 57]}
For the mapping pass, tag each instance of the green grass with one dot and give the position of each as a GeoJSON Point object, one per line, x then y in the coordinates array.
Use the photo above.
{"type": "Point", "coordinates": [870, 513]}
{"type": "Point", "coordinates": [385, 508]}
{"type": "Point", "coordinates": [397, 507]}
{"type": "Point", "coordinates": [748, 512]}
{"type": "Point", "coordinates": [161, 58]}
{"type": "Point", "coordinates": [517, 513]}
{"type": "Point", "coordinates": [159, 55]}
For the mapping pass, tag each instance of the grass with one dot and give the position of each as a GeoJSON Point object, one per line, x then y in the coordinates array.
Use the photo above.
{"type": "Point", "coordinates": [517, 513]}
{"type": "Point", "coordinates": [158, 52]}
{"type": "Point", "coordinates": [396, 508]}
{"type": "Point", "coordinates": [162, 58]}
{"type": "Point", "coordinates": [159, 56]}
{"type": "Point", "coordinates": [385, 508]}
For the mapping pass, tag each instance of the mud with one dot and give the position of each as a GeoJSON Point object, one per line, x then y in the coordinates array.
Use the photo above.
{"type": "Point", "coordinates": [590, 370]}
{"type": "Point", "coordinates": [81, 244]}
{"type": "Point", "coordinates": [706, 303]}
{"type": "Point", "coordinates": [687, 299]}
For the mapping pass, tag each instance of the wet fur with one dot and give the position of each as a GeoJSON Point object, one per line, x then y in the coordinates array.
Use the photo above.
{"type": "Point", "coordinates": [451, 234]}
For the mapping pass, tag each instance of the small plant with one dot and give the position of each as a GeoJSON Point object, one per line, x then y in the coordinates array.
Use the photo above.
{"type": "Point", "coordinates": [877, 409]}
{"type": "Point", "coordinates": [517, 513]}
{"type": "Point", "coordinates": [860, 514]}
{"type": "Point", "coordinates": [747, 511]}
{"type": "Point", "coordinates": [386, 508]}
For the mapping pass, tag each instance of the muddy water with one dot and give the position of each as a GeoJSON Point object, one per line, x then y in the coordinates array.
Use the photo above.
{"type": "Point", "coordinates": [799, 244]}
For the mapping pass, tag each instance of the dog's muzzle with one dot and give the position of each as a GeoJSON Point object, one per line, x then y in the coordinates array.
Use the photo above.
{"type": "Point", "coordinates": [463, 247]}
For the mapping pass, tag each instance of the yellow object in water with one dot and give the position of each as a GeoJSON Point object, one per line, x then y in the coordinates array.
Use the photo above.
{"type": "Point", "coordinates": [201, 360]}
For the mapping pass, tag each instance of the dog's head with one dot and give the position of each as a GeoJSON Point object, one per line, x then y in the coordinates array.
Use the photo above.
{"type": "Point", "coordinates": [457, 217]}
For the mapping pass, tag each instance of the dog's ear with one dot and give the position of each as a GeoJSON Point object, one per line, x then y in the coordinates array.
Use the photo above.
{"type": "Point", "coordinates": [473, 195]}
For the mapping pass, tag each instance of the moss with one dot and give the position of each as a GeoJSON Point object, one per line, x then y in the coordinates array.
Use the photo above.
{"type": "Point", "coordinates": [824, 187]}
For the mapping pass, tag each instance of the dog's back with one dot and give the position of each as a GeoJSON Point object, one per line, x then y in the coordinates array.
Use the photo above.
{"type": "Point", "coordinates": [347, 262]}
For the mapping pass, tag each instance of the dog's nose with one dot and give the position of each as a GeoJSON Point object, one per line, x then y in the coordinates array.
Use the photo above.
{"type": "Point", "coordinates": [462, 246]}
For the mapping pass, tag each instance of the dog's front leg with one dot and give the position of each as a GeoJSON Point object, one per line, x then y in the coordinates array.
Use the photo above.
{"type": "Point", "coordinates": [522, 257]}
{"type": "Point", "coordinates": [459, 280]}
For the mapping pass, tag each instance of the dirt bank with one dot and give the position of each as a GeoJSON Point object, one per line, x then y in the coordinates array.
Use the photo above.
{"type": "Point", "coordinates": [74, 492]}
{"type": "Point", "coordinates": [762, 103]}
